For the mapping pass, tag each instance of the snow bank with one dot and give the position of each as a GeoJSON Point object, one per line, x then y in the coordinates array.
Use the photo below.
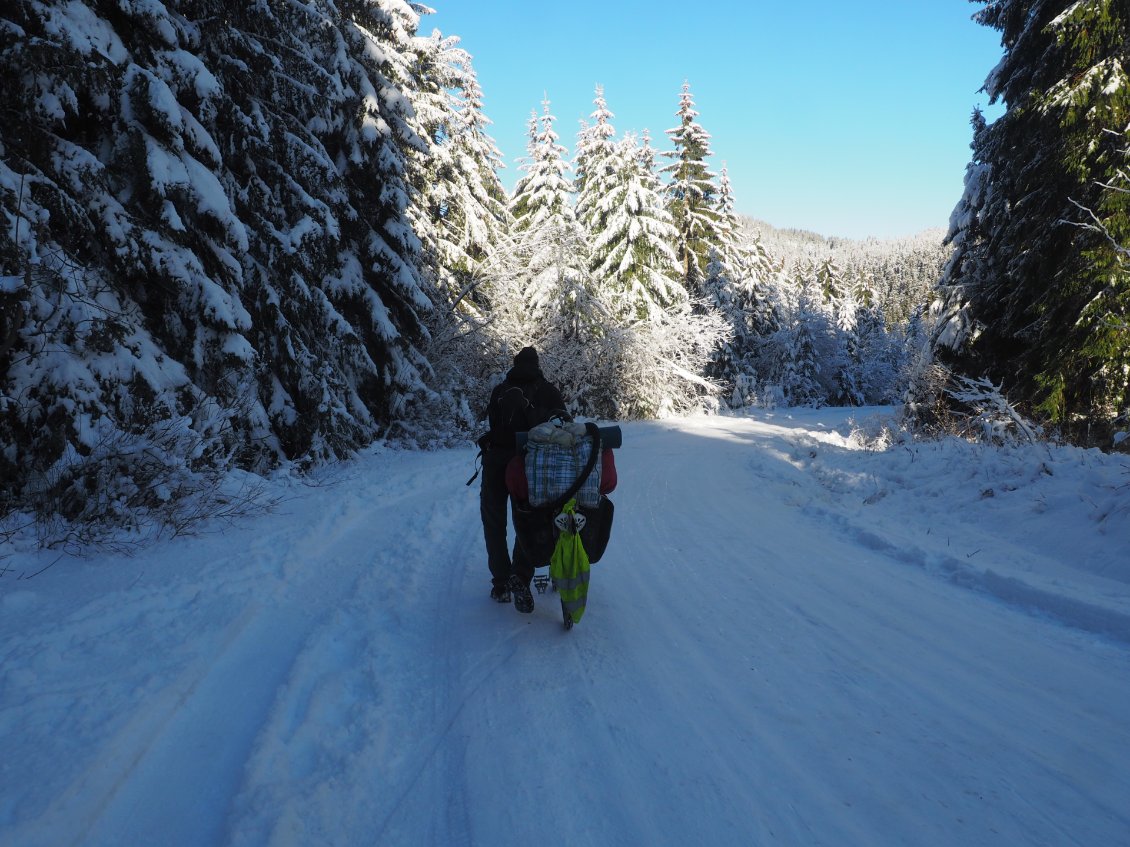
{"type": "Point", "coordinates": [1042, 526]}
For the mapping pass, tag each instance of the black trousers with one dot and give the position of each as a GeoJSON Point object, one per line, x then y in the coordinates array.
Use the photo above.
{"type": "Point", "coordinates": [494, 500]}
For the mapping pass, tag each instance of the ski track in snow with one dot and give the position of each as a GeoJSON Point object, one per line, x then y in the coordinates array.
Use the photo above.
{"type": "Point", "coordinates": [787, 642]}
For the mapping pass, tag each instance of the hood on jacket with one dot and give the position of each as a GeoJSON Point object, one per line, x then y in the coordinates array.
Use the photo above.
{"type": "Point", "coordinates": [526, 366]}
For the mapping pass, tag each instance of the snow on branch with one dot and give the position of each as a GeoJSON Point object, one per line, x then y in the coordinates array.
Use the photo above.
{"type": "Point", "coordinates": [992, 417]}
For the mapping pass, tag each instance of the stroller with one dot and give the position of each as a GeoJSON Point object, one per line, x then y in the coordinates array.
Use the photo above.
{"type": "Point", "coordinates": [558, 485]}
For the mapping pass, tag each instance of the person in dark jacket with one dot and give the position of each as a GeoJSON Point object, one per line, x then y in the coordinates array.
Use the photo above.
{"type": "Point", "coordinates": [524, 399]}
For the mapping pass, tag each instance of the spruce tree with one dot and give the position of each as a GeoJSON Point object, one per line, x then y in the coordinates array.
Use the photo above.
{"type": "Point", "coordinates": [632, 258]}
{"type": "Point", "coordinates": [551, 250]}
{"type": "Point", "coordinates": [220, 245]}
{"type": "Point", "coordinates": [543, 195]}
{"type": "Point", "coordinates": [739, 282]}
{"type": "Point", "coordinates": [692, 194]}
{"type": "Point", "coordinates": [847, 363]}
{"type": "Point", "coordinates": [799, 362]}
{"type": "Point", "coordinates": [595, 164]}
{"type": "Point", "coordinates": [1037, 292]}
{"type": "Point", "coordinates": [879, 357]}
{"type": "Point", "coordinates": [459, 207]}
{"type": "Point", "coordinates": [829, 279]}
{"type": "Point", "coordinates": [362, 53]}
{"type": "Point", "coordinates": [732, 247]}
{"type": "Point", "coordinates": [728, 360]}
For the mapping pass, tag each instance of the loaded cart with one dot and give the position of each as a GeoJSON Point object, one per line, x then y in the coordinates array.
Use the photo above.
{"type": "Point", "coordinates": [558, 484]}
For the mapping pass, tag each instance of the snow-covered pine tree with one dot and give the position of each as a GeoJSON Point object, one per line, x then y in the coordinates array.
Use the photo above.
{"type": "Point", "coordinates": [1031, 296]}
{"type": "Point", "coordinates": [969, 256]}
{"type": "Point", "coordinates": [862, 288]}
{"type": "Point", "coordinates": [691, 194]}
{"type": "Point", "coordinates": [632, 258]}
{"type": "Point", "coordinates": [355, 276]}
{"type": "Point", "coordinates": [842, 364]}
{"type": "Point", "coordinates": [800, 346]}
{"type": "Point", "coordinates": [459, 207]}
{"type": "Point", "coordinates": [594, 165]}
{"type": "Point", "coordinates": [646, 155]}
{"type": "Point", "coordinates": [128, 256]}
{"type": "Point", "coordinates": [829, 279]}
{"type": "Point", "coordinates": [549, 281]}
{"type": "Point", "coordinates": [847, 363]}
{"type": "Point", "coordinates": [728, 361]}
{"type": "Point", "coordinates": [544, 293]}
{"type": "Point", "coordinates": [213, 219]}
{"type": "Point", "coordinates": [915, 348]}
{"type": "Point", "coordinates": [434, 110]}
{"type": "Point", "coordinates": [485, 214]}
{"type": "Point", "coordinates": [878, 357]}
{"type": "Point", "coordinates": [544, 193]}
{"type": "Point", "coordinates": [459, 212]}
{"type": "Point", "coordinates": [652, 359]}
{"type": "Point", "coordinates": [732, 248]}
{"type": "Point", "coordinates": [739, 284]}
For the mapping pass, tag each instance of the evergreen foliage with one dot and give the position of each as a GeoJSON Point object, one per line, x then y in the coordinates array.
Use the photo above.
{"type": "Point", "coordinates": [599, 289]}
{"type": "Point", "coordinates": [204, 211]}
{"type": "Point", "coordinates": [551, 246]}
{"type": "Point", "coordinates": [1037, 292]}
{"type": "Point", "coordinates": [459, 207]}
{"type": "Point", "coordinates": [595, 165]}
{"type": "Point", "coordinates": [799, 347]}
{"type": "Point", "coordinates": [632, 254]}
{"type": "Point", "coordinates": [898, 275]}
{"type": "Point", "coordinates": [692, 194]}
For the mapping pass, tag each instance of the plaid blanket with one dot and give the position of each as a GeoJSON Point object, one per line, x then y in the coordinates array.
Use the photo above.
{"type": "Point", "coordinates": [551, 469]}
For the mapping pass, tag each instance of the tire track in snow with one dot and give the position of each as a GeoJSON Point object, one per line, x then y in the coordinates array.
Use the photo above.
{"type": "Point", "coordinates": [452, 541]}
{"type": "Point", "coordinates": [220, 704]}
{"type": "Point", "coordinates": [382, 709]}
{"type": "Point", "coordinates": [204, 717]}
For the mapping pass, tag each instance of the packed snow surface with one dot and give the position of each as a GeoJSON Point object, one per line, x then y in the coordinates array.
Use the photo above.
{"type": "Point", "coordinates": [798, 636]}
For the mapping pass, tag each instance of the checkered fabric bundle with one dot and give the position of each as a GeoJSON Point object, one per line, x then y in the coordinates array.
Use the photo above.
{"type": "Point", "coordinates": [553, 467]}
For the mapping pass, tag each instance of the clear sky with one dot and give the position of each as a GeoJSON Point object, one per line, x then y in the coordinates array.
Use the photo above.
{"type": "Point", "coordinates": [846, 117]}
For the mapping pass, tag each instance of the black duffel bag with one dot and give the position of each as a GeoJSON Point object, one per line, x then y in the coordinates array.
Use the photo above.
{"type": "Point", "coordinates": [537, 533]}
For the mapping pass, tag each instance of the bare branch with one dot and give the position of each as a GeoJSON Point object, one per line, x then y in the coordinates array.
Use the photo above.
{"type": "Point", "coordinates": [1096, 226]}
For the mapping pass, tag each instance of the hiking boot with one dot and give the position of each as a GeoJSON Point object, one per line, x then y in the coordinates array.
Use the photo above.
{"type": "Point", "coordinates": [500, 594]}
{"type": "Point", "coordinates": [523, 599]}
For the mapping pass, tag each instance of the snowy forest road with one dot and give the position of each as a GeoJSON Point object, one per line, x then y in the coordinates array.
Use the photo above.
{"type": "Point", "coordinates": [765, 659]}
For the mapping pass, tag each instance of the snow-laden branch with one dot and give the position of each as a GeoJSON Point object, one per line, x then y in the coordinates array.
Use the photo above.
{"type": "Point", "coordinates": [992, 414]}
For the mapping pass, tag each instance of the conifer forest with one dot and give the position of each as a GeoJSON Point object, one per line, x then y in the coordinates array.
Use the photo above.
{"type": "Point", "coordinates": [240, 236]}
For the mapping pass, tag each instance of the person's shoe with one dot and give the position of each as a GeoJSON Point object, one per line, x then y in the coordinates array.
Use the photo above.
{"type": "Point", "coordinates": [523, 598]}
{"type": "Point", "coordinates": [500, 594]}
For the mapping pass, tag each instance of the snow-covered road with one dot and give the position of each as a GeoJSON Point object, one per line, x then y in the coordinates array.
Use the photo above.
{"type": "Point", "coordinates": [791, 640]}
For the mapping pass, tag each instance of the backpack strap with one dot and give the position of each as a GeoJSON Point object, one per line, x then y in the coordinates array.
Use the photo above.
{"type": "Point", "coordinates": [517, 408]}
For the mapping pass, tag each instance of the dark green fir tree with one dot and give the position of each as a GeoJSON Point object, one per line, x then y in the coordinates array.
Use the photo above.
{"type": "Point", "coordinates": [1038, 289]}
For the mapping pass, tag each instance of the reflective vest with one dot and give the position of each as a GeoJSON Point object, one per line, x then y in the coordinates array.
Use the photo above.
{"type": "Point", "coordinates": [569, 567]}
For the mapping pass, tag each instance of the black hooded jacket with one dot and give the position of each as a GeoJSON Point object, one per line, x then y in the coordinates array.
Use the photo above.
{"type": "Point", "coordinates": [521, 401]}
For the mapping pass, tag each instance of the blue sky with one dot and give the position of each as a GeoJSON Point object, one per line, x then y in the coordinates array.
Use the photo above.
{"type": "Point", "coordinates": [846, 118]}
